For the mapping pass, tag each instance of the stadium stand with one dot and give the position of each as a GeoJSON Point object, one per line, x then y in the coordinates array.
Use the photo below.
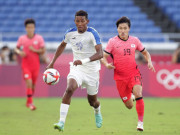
{"type": "Point", "coordinates": [171, 8]}
{"type": "Point", "coordinates": [57, 16]}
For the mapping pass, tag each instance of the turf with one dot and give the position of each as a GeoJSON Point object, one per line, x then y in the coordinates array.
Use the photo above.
{"type": "Point", "coordinates": [162, 116]}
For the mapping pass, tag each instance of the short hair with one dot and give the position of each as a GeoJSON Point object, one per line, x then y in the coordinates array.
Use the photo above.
{"type": "Point", "coordinates": [123, 19]}
{"type": "Point", "coordinates": [82, 13]}
{"type": "Point", "coordinates": [4, 47]}
{"type": "Point", "coordinates": [28, 21]}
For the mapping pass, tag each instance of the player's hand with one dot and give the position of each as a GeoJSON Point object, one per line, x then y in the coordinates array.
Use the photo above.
{"type": "Point", "coordinates": [77, 62]}
{"type": "Point", "coordinates": [110, 66]}
{"type": "Point", "coordinates": [20, 53]}
{"type": "Point", "coordinates": [178, 51]}
{"type": "Point", "coordinates": [151, 67]}
{"type": "Point", "coordinates": [32, 48]}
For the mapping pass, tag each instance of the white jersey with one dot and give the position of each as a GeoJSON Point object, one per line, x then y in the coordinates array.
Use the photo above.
{"type": "Point", "coordinates": [83, 46]}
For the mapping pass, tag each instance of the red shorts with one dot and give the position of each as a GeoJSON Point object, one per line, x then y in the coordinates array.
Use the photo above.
{"type": "Point", "coordinates": [125, 86]}
{"type": "Point", "coordinates": [30, 74]}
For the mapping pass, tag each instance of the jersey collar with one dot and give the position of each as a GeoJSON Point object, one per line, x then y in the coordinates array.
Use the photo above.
{"type": "Point", "coordinates": [123, 39]}
{"type": "Point", "coordinates": [32, 37]}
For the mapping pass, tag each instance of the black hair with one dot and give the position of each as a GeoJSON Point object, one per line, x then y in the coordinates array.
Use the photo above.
{"type": "Point", "coordinates": [123, 19]}
{"type": "Point", "coordinates": [4, 47]}
{"type": "Point", "coordinates": [82, 13]}
{"type": "Point", "coordinates": [28, 21]}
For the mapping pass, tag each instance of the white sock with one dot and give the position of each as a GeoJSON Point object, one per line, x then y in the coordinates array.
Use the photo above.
{"type": "Point", "coordinates": [63, 112]}
{"type": "Point", "coordinates": [97, 110]}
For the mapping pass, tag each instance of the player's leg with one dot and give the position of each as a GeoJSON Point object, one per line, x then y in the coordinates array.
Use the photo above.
{"type": "Point", "coordinates": [137, 91]}
{"type": "Point", "coordinates": [34, 73]}
{"type": "Point", "coordinates": [92, 86]}
{"type": "Point", "coordinates": [29, 90]}
{"type": "Point", "coordinates": [66, 100]}
{"type": "Point", "coordinates": [91, 83]}
{"type": "Point", "coordinates": [129, 103]}
{"type": "Point", "coordinates": [92, 99]}
{"type": "Point", "coordinates": [33, 88]}
{"type": "Point", "coordinates": [29, 93]}
{"type": "Point", "coordinates": [29, 84]}
{"type": "Point", "coordinates": [74, 80]}
{"type": "Point", "coordinates": [71, 87]}
{"type": "Point", "coordinates": [125, 92]}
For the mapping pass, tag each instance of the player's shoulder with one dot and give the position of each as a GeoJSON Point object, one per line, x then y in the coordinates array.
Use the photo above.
{"type": "Point", "coordinates": [38, 36]}
{"type": "Point", "coordinates": [91, 29]}
{"type": "Point", "coordinates": [71, 30]}
{"type": "Point", "coordinates": [22, 36]}
{"type": "Point", "coordinates": [134, 38]}
{"type": "Point", "coordinates": [114, 39]}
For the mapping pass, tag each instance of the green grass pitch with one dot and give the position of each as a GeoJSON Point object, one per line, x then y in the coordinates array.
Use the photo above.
{"type": "Point", "coordinates": [162, 117]}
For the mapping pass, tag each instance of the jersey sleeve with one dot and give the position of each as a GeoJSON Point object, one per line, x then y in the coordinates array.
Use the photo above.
{"type": "Point", "coordinates": [65, 38]}
{"type": "Point", "coordinates": [109, 47]}
{"type": "Point", "coordinates": [140, 47]}
{"type": "Point", "coordinates": [19, 42]}
{"type": "Point", "coordinates": [41, 42]}
{"type": "Point", "coordinates": [96, 38]}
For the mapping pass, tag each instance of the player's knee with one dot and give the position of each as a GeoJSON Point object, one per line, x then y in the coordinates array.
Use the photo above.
{"type": "Point", "coordinates": [129, 106]}
{"type": "Point", "coordinates": [70, 91]}
{"type": "Point", "coordinates": [138, 95]}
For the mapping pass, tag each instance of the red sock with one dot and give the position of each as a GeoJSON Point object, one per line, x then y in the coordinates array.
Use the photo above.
{"type": "Point", "coordinates": [140, 108]}
{"type": "Point", "coordinates": [32, 91]}
{"type": "Point", "coordinates": [29, 95]}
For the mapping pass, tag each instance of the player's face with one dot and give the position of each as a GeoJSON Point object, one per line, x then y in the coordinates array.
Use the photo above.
{"type": "Point", "coordinates": [81, 23]}
{"type": "Point", "coordinates": [30, 29]}
{"type": "Point", "coordinates": [123, 30]}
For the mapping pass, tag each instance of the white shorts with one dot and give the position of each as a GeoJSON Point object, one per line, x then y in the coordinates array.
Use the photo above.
{"type": "Point", "coordinates": [90, 81]}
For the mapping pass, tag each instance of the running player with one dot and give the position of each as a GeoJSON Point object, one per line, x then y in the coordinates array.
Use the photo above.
{"type": "Point", "coordinates": [126, 73]}
{"type": "Point", "coordinates": [29, 47]}
{"type": "Point", "coordinates": [84, 70]}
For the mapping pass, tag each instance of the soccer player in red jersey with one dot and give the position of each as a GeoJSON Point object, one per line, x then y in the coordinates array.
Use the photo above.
{"type": "Point", "coordinates": [126, 73]}
{"type": "Point", "coordinates": [29, 47]}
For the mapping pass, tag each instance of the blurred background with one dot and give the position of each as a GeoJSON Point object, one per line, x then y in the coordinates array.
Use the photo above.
{"type": "Point", "coordinates": [155, 22]}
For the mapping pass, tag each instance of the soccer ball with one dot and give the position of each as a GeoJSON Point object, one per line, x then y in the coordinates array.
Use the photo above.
{"type": "Point", "coordinates": [51, 76]}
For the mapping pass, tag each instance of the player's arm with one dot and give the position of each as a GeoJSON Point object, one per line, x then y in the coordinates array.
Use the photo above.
{"type": "Point", "coordinates": [19, 52]}
{"type": "Point", "coordinates": [105, 62]}
{"type": "Point", "coordinates": [175, 56]}
{"type": "Point", "coordinates": [97, 56]}
{"type": "Point", "coordinates": [58, 52]}
{"type": "Point", "coordinates": [39, 51]}
{"type": "Point", "coordinates": [99, 53]}
{"type": "Point", "coordinates": [147, 56]}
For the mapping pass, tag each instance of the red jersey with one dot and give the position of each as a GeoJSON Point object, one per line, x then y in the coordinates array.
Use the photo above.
{"type": "Point", "coordinates": [31, 60]}
{"type": "Point", "coordinates": [123, 53]}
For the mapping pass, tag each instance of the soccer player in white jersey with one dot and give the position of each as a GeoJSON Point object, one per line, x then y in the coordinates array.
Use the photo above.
{"type": "Point", "coordinates": [84, 70]}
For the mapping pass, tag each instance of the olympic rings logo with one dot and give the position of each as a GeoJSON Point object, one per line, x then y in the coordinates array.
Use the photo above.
{"type": "Point", "coordinates": [166, 77]}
